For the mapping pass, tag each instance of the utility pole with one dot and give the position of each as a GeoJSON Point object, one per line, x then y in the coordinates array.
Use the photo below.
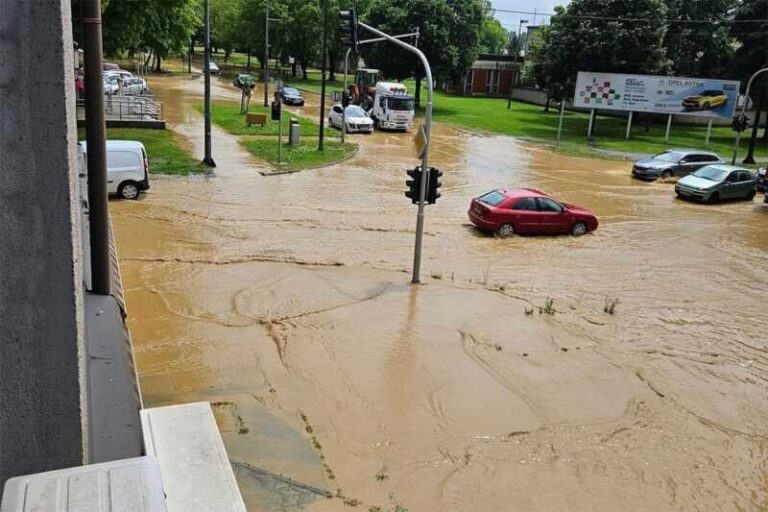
{"type": "Point", "coordinates": [266, 53]}
{"type": "Point", "coordinates": [322, 67]}
{"type": "Point", "coordinates": [425, 155]}
{"type": "Point", "coordinates": [208, 159]}
{"type": "Point", "coordinates": [96, 138]}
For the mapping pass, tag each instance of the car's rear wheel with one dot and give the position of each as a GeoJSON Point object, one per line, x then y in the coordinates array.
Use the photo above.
{"type": "Point", "coordinates": [666, 175]}
{"type": "Point", "coordinates": [128, 190]}
{"type": "Point", "coordinates": [580, 228]}
{"type": "Point", "coordinates": [505, 230]}
{"type": "Point", "coordinates": [714, 198]}
{"type": "Point", "coordinates": [751, 195]}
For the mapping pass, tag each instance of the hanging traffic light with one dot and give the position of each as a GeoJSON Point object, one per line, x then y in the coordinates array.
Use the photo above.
{"type": "Point", "coordinates": [348, 28]}
{"type": "Point", "coordinates": [413, 184]}
{"type": "Point", "coordinates": [434, 185]}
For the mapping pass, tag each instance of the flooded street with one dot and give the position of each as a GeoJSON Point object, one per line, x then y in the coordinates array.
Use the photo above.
{"type": "Point", "coordinates": [285, 301]}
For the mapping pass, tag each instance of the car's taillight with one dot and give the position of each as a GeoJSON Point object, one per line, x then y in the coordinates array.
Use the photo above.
{"type": "Point", "coordinates": [146, 165]}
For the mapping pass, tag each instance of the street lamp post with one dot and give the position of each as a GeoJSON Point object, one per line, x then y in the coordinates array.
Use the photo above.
{"type": "Point", "coordinates": [208, 159]}
{"type": "Point", "coordinates": [520, 36]}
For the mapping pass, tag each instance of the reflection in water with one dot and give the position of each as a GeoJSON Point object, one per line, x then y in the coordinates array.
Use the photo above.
{"type": "Point", "coordinates": [285, 301]}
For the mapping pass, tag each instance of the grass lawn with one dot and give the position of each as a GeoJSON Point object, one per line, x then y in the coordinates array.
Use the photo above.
{"type": "Point", "coordinates": [531, 122]}
{"type": "Point", "coordinates": [304, 156]}
{"type": "Point", "coordinates": [166, 154]}
{"type": "Point", "coordinates": [227, 115]}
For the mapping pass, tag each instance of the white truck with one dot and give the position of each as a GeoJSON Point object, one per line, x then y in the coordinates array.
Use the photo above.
{"type": "Point", "coordinates": [393, 108]}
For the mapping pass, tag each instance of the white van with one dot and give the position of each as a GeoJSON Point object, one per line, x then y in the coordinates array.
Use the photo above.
{"type": "Point", "coordinates": [127, 167]}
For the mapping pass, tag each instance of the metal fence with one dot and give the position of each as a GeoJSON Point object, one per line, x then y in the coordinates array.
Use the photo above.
{"type": "Point", "coordinates": [127, 108]}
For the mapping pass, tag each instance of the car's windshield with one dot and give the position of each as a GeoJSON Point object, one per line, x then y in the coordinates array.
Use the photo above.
{"type": "Point", "coordinates": [291, 91]}
{"type": "Point", "coordinates": [400, 103]}
{"type": "Point", "coordinates": [492, 198]}
{"type": "Point", "coordinates": [669, 156]}
{"type": "Point", "coordinates": [711, 173]}
{"type": "Point", "coordinates": [355, 111]}
{"type": "Point", "coordinates": [111, 78]}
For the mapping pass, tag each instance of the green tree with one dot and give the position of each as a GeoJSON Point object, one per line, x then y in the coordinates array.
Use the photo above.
{"type": "Point", "coordinates": [699, 49]}
{"type": "Point", "coordinates": [449, 36]}
{"type": "Point", "coordinates": [226, 25]}
{"type": "Point", "coordinates": [493, 36]}
{"type": "Point", "coordinates": [752, 38]}
{"type": "Point", "coordinates": [750, 56]}
{"type": "Point", "coordinates": [589, 35]}
{"type": "Point", "coordinates": [304, 28]}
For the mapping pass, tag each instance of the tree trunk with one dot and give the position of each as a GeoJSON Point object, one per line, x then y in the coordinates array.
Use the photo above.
{"type": "Point", "coordinates": [248, 62]}
{"type": "Point", "coordinates": [750, 158]}
{"type": "Point", "coordinates": [159, 63]}
{"type": "Point", "coordinates": [549, 100]}
{"type": "Point", "coordinates": [227, 53]}
{"type": "Point", "coordinates": [147, 59]}
{"type": "Point", "coordinates": [293, 68]}
{"type": "Point", "coordinates": [303, 70]}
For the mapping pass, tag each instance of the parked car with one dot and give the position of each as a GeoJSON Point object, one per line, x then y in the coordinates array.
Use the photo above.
{"type": "Point", "coordinates": [108, 66]}
{"type": "Point", "coordinates": [715, 182]}
{"type": "Point", "coordinates": [355, 118]}
{"type": "Point", "coordinates": [111, 84]}
{"type": "Point", "coordinates": [291, 96]}
{"type": "Point", "coordinates": [673, 162]}
{"type": "Point", "coordinates": [134, 85]}
{"type": "Point", "coordinates": [127, 167]}
{"type": "Point", "coordinates": [123, 74]}
{"type": "Point", "coordinates": [506, 212]}
{"type": "Point", "coordinates": [214, 68]}
{"type": "Point", "coordinates": [762, 179]}
{"type": "Point", "coordinates": [705, 100]}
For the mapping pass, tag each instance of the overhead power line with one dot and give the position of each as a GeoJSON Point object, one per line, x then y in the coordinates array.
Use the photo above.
{"type": "Point", "coordinates": [616, 18]}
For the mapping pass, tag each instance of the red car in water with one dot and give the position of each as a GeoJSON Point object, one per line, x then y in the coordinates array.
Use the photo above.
{"type": "Point", "coordinates": [530, 212]}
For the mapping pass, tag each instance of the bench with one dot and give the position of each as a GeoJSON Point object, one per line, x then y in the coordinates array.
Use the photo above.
{"type": "Point", "coordinates": [197, 475]}
{"type": "Point", "coordinates": [260, 119]}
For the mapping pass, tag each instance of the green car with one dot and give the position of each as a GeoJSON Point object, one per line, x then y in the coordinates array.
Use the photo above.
{"type": "Point", "coordinates": [715, 182]}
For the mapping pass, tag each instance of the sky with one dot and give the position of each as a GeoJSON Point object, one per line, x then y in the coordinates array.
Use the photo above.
{"type": "Point", "coordinates": [511, 21]}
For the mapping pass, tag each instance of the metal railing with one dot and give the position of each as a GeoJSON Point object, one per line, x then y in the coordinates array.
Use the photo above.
{"type": "Point", "coordinates": [127, 108]}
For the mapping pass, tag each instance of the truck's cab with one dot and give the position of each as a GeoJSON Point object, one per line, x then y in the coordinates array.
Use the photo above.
{"type": "Point", "coordinates": [393, 108]}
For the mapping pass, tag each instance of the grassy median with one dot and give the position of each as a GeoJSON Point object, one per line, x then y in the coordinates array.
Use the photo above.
{"type": "Point", "coordinates": [530, 121]}
{"type": "Point", "coordinates": [164, 149]}
{"type": "Point", "coordinates": [303, 156]}
{"type": "Point", "coordinates": [228, 117]}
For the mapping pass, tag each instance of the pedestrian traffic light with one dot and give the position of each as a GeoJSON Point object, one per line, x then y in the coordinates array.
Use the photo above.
{"type": "Point", "coordinates": [276, 106]}
{"type": "Point", "coordinates": [413, 184]}
{"type": "Point", "coordinates": [345, 99]}
{"type": "Point", "coordinates": [348, 29]}
{"type": "Point", "coordinates": [434, 185]}
{"type": "Point", "coordinates": [741, 122]}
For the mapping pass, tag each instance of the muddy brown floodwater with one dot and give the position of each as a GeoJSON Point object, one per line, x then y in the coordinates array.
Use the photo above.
{"type": "Point", "coordinates": [285, 302]}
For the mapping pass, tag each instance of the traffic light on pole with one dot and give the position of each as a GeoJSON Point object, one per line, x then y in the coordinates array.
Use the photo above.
{"type": "Point", "coordinates": [413, 184]}
{"type": "Point", "coordinates": [348, 28]}
{"type": "Point", "coordinates": [434, 185]}
{"type": "Point", "coordinates": [276, 107]}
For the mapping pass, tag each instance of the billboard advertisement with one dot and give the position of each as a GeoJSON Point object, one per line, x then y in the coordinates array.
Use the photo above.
{"type": "Point", "coordinates": [656, 94]}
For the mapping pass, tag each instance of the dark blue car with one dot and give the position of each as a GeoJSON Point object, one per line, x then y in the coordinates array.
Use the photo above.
{"type": "Point", "coordinates": [291, 96]}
